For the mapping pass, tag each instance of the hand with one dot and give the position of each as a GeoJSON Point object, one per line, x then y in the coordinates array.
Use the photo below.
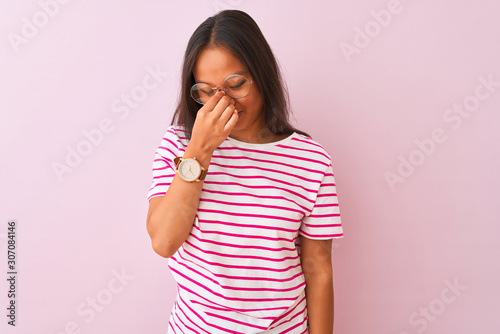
{"type": "Point", "coordinates": [214, 121]}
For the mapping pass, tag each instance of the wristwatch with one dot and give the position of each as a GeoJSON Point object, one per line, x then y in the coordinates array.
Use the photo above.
{"type": "Point", "coordinates": [189, 169]}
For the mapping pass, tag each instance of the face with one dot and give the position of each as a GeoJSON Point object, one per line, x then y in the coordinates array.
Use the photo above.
{"type": "Point", "coordinates": [212, 67]}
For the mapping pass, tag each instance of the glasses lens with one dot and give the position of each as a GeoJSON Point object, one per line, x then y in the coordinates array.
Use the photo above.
{"type": "Point", "coordinates": [201, 92]}
{"type": "Point", "coordinates": [237, 86]}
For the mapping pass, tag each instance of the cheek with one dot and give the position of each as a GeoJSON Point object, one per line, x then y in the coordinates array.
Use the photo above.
{"type": "Point", "coordinates": [252, 103]}
{"type": "Point", "coordinates": [246, 103]}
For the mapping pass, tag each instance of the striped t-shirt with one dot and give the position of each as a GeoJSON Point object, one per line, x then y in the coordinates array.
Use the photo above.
{"type": "Point", "coordinates": [239, 270]}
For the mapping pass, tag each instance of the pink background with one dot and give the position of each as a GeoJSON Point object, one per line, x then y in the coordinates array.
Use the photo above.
{"type": "Point", "coordinates": [404, 246]}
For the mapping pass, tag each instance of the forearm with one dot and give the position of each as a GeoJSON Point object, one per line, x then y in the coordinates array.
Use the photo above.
{"type": "Point", "coordinates": [319, 297]}
{"type": "Point", "coordinates": [172, 220]}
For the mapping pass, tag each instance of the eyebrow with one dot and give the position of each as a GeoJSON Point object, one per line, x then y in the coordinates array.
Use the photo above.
{"type": "Point", "coordinates": [243, 72]}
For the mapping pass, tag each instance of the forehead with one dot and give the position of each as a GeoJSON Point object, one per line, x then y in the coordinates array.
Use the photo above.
{"type": "Point", "coordinates": [216, 64]}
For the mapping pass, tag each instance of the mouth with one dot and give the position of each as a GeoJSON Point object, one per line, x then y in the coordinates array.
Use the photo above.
{"type": "Point", "coordinates": [239, 112]}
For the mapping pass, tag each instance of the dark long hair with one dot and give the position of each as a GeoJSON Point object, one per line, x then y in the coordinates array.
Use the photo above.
{"type": "Point", "coordinates": [238, 32]}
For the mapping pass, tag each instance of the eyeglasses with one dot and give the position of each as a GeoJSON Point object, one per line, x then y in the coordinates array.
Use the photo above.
{"type": "Point", "coordinates": [235, 85]}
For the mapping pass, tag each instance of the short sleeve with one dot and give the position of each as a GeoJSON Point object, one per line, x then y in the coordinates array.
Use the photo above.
{"type": "Point", "coordinates": [324, 220]}
{"type": "Point", "coordinates": [163, 163]}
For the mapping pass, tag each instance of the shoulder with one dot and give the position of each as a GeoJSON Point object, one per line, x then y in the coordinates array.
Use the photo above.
{"type": "Point", "coordinates": [311, 147]}
{"type": "Point", "coordinates": [173, 140]}
{"type": "Point", "coordinates": [177, 130]}
{"type": "Point", "coordinates": [175, 133]}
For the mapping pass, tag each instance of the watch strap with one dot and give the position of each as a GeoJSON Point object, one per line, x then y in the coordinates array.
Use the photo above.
{"type": "Point", "coordinates": [177, 161]}
{"type": "Point", "coordinates": [202, 174]}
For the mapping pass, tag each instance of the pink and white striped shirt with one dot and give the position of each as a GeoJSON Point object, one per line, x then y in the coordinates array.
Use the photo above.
{"type": "Point", "coordinates": [239, 270]}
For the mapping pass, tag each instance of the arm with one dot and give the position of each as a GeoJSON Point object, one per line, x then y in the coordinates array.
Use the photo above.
{"type": "Point", "coordinates": [170, 217]}
{"type": "Point", "coordinates": [317, 267]}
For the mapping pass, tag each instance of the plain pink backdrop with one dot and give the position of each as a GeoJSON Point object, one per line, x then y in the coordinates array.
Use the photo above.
{"type": "Point", "coordinates": [368, 80]}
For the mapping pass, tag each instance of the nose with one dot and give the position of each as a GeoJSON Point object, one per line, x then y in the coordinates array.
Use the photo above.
{"type": "Point", "coordinates": [224, 89]}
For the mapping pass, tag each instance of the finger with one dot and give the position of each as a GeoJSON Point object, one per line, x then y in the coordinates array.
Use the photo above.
{"type": "Point", "coordinates": [232, 122]}
{"type": "Point", "coordinates": [226, 114]}
{"type": "Point", "coordinates": [223, 103]}
{"type": "Point", "coordinates": [212, 101]}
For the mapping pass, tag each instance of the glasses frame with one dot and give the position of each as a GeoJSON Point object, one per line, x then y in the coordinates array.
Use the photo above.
{"type": "Point", "coordinates": [214, 89]}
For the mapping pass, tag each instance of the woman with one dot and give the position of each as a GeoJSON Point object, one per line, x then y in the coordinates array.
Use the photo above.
{"type": "Point", "coordinates": [243, 204]}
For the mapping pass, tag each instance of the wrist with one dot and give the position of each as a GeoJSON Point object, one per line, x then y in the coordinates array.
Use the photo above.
{"type": "Point", "coordinates": [203, 155]}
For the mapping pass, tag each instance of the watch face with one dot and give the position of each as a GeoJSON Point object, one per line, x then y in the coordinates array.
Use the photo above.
{"type": "Point", "coordinates": [189, 170]}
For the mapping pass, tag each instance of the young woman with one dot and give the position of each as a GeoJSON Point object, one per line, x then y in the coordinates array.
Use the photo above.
{"type": "Point", "coordinates": [242, 204]}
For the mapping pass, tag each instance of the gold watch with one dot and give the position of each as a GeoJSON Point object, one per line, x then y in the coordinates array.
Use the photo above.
{"type": "Point", "coordinates": [190, 169]}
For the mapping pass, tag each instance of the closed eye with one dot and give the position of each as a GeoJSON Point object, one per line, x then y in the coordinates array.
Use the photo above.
{"type": "Point", "coordinates": [239, 84]}
{"type": "Point", "coordinates": [207, 92]}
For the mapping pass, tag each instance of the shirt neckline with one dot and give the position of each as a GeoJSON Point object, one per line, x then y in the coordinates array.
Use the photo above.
{"type": "Point", "coordinates": [259, 145]}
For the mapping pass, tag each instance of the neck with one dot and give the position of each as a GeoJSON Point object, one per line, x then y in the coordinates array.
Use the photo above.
{"type": "Point", "coordinates": [263, 137]}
